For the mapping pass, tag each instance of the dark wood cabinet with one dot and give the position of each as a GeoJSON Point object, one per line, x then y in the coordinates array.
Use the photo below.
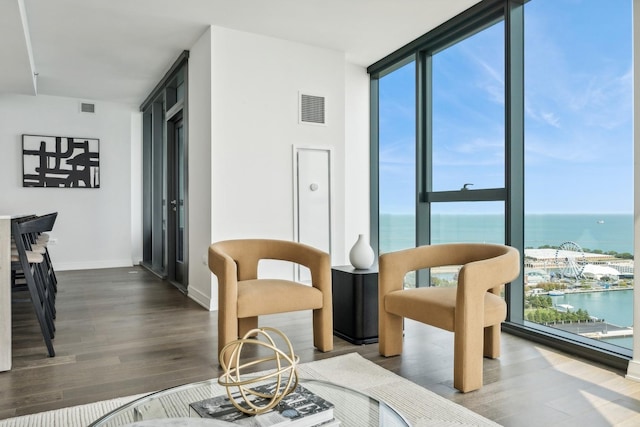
{"type": "Point", "coordinates": [355, 304]}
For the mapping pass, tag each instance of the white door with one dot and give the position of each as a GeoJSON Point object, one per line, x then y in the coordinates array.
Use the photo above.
{"type": "Point", "coordinates": [313, 196]}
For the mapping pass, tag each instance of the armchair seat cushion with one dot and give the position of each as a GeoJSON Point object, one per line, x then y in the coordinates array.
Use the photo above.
{"type": "Point", "coordinates": [441, 303]}
{"type": "Point", "coordinates": [270, 296]}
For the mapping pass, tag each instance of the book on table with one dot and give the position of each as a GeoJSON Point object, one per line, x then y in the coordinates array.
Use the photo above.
{"type": "Point", "coordinates": [300, 408]}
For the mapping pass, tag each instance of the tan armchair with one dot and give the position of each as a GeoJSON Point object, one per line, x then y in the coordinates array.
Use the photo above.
{"type": "Point", "coordinates": [242, 296]}
{"type": "Point", "coordinates": [472, 310]}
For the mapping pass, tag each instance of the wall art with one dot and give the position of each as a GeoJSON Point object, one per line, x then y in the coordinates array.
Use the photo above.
{"type": "Point", "coordinates": [62, 162]}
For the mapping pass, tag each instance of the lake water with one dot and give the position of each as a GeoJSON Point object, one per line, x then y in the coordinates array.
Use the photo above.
{"type": "Point", "coordinates": [607, 232]}
{"type": "Point", "coordinates": [615, 307]}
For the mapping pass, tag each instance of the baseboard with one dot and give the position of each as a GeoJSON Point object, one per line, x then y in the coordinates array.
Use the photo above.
{"type": "Point", "coordinates": [200, 298]}
{"type": "Point", "coordinates": [633, 371]}
{"type": "Point", "coordinates": [90, 265]}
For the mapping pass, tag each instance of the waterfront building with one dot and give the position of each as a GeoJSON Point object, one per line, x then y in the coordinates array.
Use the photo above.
{"type": "Point", "coordinates": [547, 261]}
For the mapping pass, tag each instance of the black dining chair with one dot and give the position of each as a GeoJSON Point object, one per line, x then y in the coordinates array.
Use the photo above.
{"type": "Point", "coordinates": [30, 264]}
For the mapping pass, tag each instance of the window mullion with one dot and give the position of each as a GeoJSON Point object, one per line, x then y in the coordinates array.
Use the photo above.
{"type": "Point", "coordinates": [514, 147]}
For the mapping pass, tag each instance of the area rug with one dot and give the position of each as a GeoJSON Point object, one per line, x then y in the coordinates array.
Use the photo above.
{"type": "Point", "coordinates": [419, 406]}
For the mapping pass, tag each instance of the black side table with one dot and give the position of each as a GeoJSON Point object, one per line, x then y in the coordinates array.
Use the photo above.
{"type": "Point", "coordinates": [355, 304]}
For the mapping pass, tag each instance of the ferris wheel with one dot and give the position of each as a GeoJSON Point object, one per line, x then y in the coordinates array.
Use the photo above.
{"type": "Point", "coordinates": [570, 260]}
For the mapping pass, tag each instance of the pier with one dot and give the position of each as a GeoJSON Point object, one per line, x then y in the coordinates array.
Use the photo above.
{"type": "Point", "coordinates": [595, 329]}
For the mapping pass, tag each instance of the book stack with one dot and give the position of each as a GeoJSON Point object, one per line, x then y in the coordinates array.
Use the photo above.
{"type": "Point", "coordinates": [300, 408]}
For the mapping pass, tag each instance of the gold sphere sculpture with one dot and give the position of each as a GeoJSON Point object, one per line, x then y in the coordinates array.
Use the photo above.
{"type": "Point", "coordinates": [284, 375]}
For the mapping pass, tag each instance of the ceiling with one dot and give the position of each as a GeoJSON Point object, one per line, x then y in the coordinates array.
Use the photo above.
{"type": "Point", "coordinates": [117, 50]}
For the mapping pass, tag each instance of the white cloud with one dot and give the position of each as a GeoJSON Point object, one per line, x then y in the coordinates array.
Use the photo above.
{"type": "Point", "coordinates": [550, 119]}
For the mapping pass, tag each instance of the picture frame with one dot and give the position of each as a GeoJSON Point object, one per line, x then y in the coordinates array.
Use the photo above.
{"type": "Point", "coordinates": [60, 162]}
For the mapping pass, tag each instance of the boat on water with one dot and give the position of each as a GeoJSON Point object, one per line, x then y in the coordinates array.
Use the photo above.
{"type": "Point", "coordinates": [555, 293]}
{"type": "Point", "coordinates": [565, 308]}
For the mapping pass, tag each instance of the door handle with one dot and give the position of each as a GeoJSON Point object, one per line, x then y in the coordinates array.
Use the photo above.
{"type": "Point", "coordinates": [174, 204]}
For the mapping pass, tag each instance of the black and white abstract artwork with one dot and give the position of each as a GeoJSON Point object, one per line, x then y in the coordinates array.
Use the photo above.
{"type": "Point", "coordinates": [63, 162]}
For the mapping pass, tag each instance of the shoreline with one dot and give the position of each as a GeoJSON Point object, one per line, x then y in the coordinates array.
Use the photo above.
{"type": "Point", "coordinates": [584, 291]}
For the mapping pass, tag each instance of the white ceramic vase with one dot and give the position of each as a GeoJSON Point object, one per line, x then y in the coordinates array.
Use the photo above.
{"type": "Point", "coordinates": [361, 255]}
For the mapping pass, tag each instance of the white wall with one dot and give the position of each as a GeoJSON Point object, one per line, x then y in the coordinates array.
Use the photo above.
{"type": "Point", "coordinates": [255, 82]}
{"type": "Point", "coordinates": [94, 228]}
{"type": "Point", "coordinates": [136, 187]}
{"type": "Point", "coordinates": [199, 170]}
{"type": "Point", "coordinates": [356, 214]}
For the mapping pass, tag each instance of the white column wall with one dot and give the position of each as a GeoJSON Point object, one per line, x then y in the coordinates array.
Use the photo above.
{"type": "Point", "coordinates": [199, 171]}
{"type": "Point", "coordinates": [5, 293]}
{"type": "Point", "coordinates": [357, 188]}
{"type": "Point", "coordinates": [256, 82]}
{"type": "Point", "coordinates": [94, 226]}
{"type": "Point", "coordinates": [136, 187]}
{"type": "Point", "coordinates": [247, 111]}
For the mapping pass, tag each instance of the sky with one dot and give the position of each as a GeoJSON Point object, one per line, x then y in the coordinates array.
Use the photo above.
{"type": "Point", "coordinates": [578, 113]}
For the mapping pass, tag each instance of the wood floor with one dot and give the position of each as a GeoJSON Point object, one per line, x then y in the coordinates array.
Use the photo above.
{"type": "Point", "coordinates": [123, 331]}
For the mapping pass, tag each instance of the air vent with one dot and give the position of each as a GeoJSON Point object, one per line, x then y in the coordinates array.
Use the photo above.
{"type": "Point", "coordinates": [312, 109]}
{"type": "Point", "coordinates": [87, 108]}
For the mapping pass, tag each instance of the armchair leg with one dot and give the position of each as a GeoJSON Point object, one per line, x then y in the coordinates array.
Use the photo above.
{"type": "Point", "coordinates": [227, 332]}
{"type": "Point", "coordinates": [323, 329]}
{"type": "Point", "coordinates": [230, 330]}
{"type": "Point", "coordinates": [467, 360]}
{"type": "Point", "coordinates": [390, 334]}
{"type": "Point", "coordinates": [246, 324]}
{"type": "Point", "coordinates": [492, 341]}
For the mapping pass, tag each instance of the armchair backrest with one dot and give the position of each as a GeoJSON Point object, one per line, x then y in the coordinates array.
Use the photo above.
{"type": "Point", "coordinates": [246, 253]}
{"type": "Point", "coordinates": [500, 265]}
{"type": "Point", "coordinates": [498, 259]}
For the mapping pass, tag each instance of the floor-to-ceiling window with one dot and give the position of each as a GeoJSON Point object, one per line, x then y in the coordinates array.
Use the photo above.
{"type": "Point", "coordinates": [523, 136]}
{"type": "Point", "coordinates": [578, 168]}
{"type": "Point", "coordinates": [467, 138]}
{"type": "Point", "coordinates": [397, 154]}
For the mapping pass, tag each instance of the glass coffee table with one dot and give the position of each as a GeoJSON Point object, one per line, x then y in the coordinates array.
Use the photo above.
{"type": "Point", "coordinates": [171, 407]}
